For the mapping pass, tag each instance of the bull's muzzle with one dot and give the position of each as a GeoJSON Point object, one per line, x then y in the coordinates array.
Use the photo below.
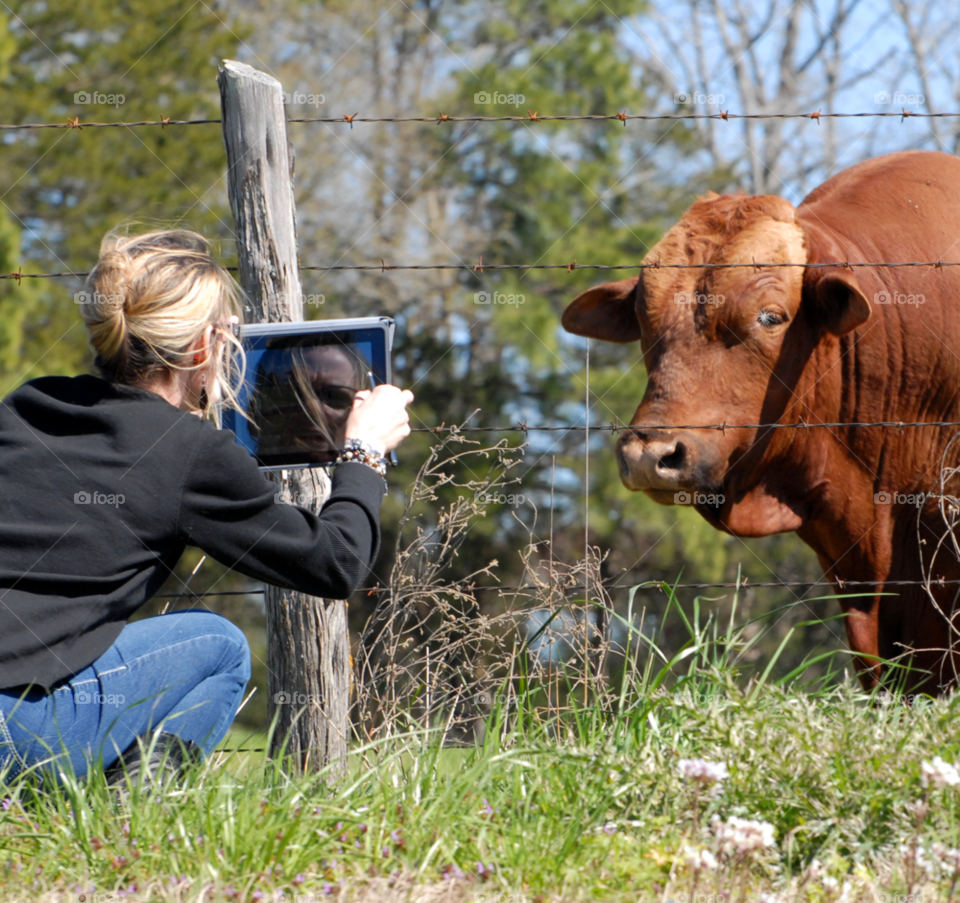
{"type": "Point", "coordinates": [661, 463]}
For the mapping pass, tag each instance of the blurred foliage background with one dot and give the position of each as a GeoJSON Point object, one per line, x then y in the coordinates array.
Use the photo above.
{"type": "Point", "coordinates": [416, 193]}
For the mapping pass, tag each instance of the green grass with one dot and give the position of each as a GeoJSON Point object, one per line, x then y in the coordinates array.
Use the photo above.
{"type": "Point", "coordinates": [588, 805]}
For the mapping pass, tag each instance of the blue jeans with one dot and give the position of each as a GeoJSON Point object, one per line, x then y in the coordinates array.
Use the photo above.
{"type": "Point", "coordinates": [183, 672]}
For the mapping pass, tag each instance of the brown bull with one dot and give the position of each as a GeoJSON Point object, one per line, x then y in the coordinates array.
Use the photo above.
{"type": "Point", "coordinates": [833, 344]}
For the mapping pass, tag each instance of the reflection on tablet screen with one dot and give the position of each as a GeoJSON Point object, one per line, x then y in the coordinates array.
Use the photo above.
{"type": "Point", "coordinates": [299, 391]}
{"type": "Point", "coordinates": [300, 402]}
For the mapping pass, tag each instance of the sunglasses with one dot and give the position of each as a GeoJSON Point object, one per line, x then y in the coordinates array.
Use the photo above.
{"type": "Point", "coordinates": [340, 398]}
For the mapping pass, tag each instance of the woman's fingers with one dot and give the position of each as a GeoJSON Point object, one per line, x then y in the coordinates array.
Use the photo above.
{"type": "Point", "coordinates": [379, 417]}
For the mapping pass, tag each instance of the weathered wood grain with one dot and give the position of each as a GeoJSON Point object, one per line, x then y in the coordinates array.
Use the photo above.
{"type": "Point", "coordinates": [308, 647]}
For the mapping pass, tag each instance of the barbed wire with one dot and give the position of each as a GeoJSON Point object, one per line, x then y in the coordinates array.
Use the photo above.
{"type": "Point", "coordinates": [376, 591]}
{"type": "Point", "coordinates": [660, 584]}
{"type": "Point", "coordinates": [616, 428]}
{"type": "Point", "coordinates": [75, 123]}
{"type": "Point", "coordinates": [480, 267]}
{"type": "Point", "coordinates": [627, 428]}
{"type": "Point", "coordinates": [656, 265]}
{"type": "Point", "coordinates": [532, 116]}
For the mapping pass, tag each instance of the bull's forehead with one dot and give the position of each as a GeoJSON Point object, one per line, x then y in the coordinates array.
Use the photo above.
{"type": "Point", "coordinates": [764, 236]}
{"type": "Point", "coordinates": [767, 241]}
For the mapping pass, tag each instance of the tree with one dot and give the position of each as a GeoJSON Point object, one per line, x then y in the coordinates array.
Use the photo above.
{"type": "Point", "coordinates": [64, 189]}
{"type": "Point", "coordinates": [772, 56]}
{"type": "Point", "coordinates": [15, 299]}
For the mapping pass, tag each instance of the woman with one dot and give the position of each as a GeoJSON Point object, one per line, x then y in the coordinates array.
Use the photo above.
{"type": "Point", "coordinates": [104, 482]}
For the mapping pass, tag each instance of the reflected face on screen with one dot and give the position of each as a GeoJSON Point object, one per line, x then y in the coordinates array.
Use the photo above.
{"type": "Point", "coordinates": [303, 406]}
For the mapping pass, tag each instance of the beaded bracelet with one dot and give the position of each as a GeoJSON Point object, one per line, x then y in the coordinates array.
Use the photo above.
{"type": "Point", "coordinates": [357, 450]}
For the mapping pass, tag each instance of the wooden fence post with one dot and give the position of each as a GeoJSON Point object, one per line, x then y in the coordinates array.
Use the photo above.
{"type": "Point", "coordinates": [308, 644]}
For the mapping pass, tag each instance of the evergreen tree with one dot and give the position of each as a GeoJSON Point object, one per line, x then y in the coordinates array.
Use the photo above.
{"type": "Point", "coordinates": [64, 189]}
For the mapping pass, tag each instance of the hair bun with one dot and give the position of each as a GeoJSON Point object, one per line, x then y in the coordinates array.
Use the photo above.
{"type": "Point", "coordinates": [150, 298]}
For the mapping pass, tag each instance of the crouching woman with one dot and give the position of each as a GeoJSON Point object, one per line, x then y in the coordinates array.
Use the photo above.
{"type": "Point", "coordinates": [104, 481]}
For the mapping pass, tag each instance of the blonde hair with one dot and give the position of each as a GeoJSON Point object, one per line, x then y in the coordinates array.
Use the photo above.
{"type": "Point", "coordinates": [150, 297]}
{"type": "Point", "coordinates": [307, 396]}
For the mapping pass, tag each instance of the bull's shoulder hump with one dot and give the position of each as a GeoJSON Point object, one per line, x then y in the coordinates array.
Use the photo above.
{"type": "Point", "coordinates": [880, 174]}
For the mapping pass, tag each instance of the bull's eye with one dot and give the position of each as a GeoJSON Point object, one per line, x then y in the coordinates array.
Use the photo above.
{"type": "Point", "coordinates": [769, 318]}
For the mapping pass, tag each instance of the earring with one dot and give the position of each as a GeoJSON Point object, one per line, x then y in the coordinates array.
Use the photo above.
{"type": "Point", "coordinates": [204, 401]}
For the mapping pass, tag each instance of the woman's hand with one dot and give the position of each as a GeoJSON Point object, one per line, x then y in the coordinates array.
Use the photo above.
{"type": "Point", "coordinates": [379, 417]}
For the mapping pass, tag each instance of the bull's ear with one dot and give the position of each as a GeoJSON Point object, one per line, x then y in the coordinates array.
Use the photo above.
{"type": "Point", "coordinates": [605, 312]}
{"type": "Point", "coordinates": [842, 305]}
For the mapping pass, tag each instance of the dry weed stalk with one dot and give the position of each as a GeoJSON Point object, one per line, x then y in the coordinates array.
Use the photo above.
{"type": "Point", "coordinates": [436, 652]}
{"type": "Point", "coordinates": [947, 547]}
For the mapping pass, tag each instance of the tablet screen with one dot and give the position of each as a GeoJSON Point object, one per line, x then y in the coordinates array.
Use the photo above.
{"type": "Point", "coordinates": [299, 390]}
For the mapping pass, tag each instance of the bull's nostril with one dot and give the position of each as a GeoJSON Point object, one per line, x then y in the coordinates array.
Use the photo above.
{"type": "Point", "coordinates": [675, 460]}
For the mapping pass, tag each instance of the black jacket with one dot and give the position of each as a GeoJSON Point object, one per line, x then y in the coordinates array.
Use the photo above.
{"type": "Point", "coordinates": [102, 487]}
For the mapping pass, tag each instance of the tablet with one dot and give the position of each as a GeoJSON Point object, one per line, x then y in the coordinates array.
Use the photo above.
{"type": "Point", "coordinates": [299, 385]}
